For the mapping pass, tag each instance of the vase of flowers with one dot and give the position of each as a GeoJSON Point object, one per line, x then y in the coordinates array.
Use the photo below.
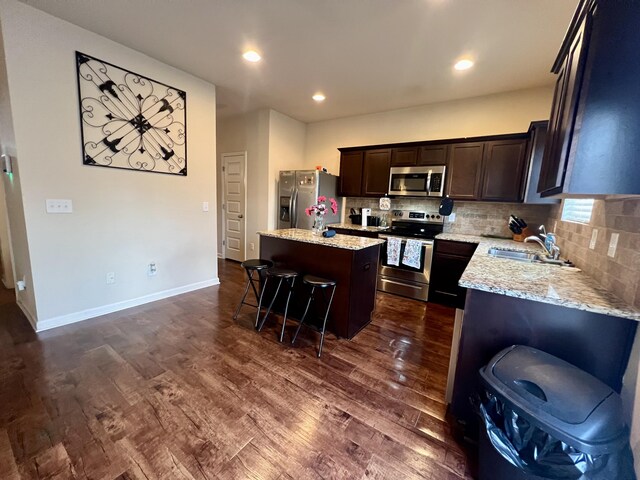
{"type": "Point", "coordinates": [319, 210]}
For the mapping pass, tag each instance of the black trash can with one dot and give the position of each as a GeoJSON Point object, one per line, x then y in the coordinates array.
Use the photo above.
{"type": "Point", "coordinates": [543, 418]}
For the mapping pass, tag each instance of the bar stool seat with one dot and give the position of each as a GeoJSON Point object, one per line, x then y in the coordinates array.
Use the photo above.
{"type": "Point", "coordinates": [321, 283]}
{"type": "Point", "coordinates": [283, 275]}
{"type": "Point", "coordinates": [251, 266]}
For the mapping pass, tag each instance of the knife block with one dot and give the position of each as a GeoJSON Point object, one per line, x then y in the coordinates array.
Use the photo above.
{"type": "Point", "coordinates": [519, 237]}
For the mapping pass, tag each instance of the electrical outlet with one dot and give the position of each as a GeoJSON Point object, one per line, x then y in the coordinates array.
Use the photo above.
{"type": "Point", "coordinates": [59, 206]}
{"type": "Point", "coordinates": [152, 270]}
{"type": "Point", "coordinates": [111, 278]}
{"type": "Point", "coordinates": [594, 238]}
{"type": "Point", "coordinates": [613, 244]}
{"type": "Point", "coordinates": [252, 246]}
{"type": "Point", "coordinates": [205, 206]}
{"type": "Point", "coordinates": [452, 218]}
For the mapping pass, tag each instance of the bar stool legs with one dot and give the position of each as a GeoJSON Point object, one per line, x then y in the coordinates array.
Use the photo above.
{"type": "Point", "coordinates": [251, 266]}
{"type": "Point", "coordinates": [316, 282]}
{"type": "Point", "coordinates": [283, 275]}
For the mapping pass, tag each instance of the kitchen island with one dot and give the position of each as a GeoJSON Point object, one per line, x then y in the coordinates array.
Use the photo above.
{"type": "Point", "coordinates": [351, 261]}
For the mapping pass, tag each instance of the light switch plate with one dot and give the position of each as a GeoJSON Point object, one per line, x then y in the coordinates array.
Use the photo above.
{"type": "Point", "coordinates": [613, 244]}
{"type": "Point", "coordinates": [59, 206]}
{"type": "Point", "coordinates": [594, 239]}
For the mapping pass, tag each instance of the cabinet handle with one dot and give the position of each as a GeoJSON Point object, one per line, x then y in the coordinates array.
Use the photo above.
{"type": "Point", "coordinates": [366, 266]}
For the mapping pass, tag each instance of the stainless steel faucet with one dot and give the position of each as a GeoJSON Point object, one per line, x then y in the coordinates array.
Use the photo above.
{"type": "Point", "coordinates": [554, 250]}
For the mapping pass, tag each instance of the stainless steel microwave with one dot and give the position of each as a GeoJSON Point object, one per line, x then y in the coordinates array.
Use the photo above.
{"type": "Point", "coordinates": [425, 181]}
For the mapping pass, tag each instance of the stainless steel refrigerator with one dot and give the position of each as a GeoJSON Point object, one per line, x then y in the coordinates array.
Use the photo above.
{"type": "Point", "coordinates": [299, 189]}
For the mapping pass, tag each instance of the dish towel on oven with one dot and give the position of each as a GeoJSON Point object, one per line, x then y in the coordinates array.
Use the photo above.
{"type": "Point", "coordinates": [412, 253]}
{"type": "Point", "coordinates": [393, 250]}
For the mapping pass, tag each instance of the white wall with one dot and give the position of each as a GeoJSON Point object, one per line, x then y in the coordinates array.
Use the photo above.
{"type": "Point", "coordinates": [249, 133]}
{"type": "Point", "coordinates": [509, 112]}
{"type": "Point", "coordinates": [122, 219]}
{"type": "Point", "coordinates": [287, 138]}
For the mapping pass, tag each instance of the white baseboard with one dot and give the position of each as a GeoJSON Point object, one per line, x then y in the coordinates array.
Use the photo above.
{"type": "Point", "coordinates": [27, 313]}
{"type": "Point", "coordinates": [61, 320]}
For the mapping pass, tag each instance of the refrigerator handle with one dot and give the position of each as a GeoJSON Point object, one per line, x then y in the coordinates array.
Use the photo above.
{"type": "Point", "coordinates": [294, 209]}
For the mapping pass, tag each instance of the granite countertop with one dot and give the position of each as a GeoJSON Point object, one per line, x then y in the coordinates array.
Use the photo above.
{"type": "Point", "coordinates": [347, 242]}
{"type": "Point", "coordinates": [567, 287]}
{"type": "Point", "coordinates": [360, 228]}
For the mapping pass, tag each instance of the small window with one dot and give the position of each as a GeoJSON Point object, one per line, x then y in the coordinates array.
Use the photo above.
{"type": "Point", "coordinates": [577, 210]}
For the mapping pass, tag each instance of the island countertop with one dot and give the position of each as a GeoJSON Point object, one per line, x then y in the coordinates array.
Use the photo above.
{"type": "Point", "coordinates": [567, 287]}
{"type": "Point", "coordinates": [346, 242]}
{"type": "Point", "coordinates": [357, 228]}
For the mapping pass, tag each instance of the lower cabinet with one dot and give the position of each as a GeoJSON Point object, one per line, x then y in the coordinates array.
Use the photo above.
{"type": "Point", "coordinates": [449, 262]}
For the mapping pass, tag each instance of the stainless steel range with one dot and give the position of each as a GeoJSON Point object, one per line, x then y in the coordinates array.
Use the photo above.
{"type": "Point", "coordinates": [402, 279]}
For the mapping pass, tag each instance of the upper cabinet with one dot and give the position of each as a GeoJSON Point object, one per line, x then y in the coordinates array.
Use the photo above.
{"type": "Point", "coordinates": [375, 172]}
{"type": "Point", "coordinates": [364, 173]}
{"type": "Point", "coordinates": [594, 130]}
{"type": "Point", "coordinates": [503, 170]}
{"type": "Point", "coordinates": [464, 171]}
{"type": "Point", "coordinates": [492, 171]}
{"type": "Point", "coordinates": [404, 157]}
{"type": "Point", "coordinates": [350, 184]}
{"type": "Point", "coordinates": [433, 155]}
{"type": "Point", "coordinates": [487, 168]}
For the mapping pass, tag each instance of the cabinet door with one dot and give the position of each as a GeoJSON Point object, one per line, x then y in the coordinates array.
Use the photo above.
{"type": "Point", "coordinates": [465, 171]}
{"type": "Point", "coordinates": [433, 155]}
{"type": "Point", "coordinates": [563, 115]}
{"type": "Point", "coordinates": [404, 157]}
{"type": "Point", "coordinates": [351, 174]}
{"type": "Point", "coordinates": [375, 175]}
{"type": "Point", "coordinates": [503, 170]}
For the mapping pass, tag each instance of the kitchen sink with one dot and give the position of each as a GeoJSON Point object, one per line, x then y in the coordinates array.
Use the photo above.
{"type": "Point", "coordinates": [514, 255]}
{"type": "Point", "coordinates": [526, 257]}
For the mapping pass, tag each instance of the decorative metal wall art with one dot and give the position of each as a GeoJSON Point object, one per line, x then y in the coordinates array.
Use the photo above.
{"type": "Point", "coordinates": [130, 121]}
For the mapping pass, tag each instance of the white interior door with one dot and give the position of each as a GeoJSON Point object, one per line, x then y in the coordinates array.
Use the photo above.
{"type": "Point", "coordinates": [234, 202]}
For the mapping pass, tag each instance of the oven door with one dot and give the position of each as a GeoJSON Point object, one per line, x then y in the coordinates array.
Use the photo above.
{"type": "Point", "coordinates": [405, 272]}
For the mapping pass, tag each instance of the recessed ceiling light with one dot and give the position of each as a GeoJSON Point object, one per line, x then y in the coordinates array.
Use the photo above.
{"type": "Point", "coordinates": [318, 97]}
{"type": "Point", "coordinates": [251, 56]}
{"type": "Point", "coordinates": [464, 64]}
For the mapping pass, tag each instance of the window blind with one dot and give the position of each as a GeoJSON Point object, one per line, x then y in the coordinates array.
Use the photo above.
{"type": "Point", "coordinates": [577, 210]}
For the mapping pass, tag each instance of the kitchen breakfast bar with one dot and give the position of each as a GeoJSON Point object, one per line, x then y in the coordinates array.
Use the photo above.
{"type": "Point", "coordinates": [352, 262]}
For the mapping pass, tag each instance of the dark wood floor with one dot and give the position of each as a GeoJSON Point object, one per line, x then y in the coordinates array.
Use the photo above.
{"type": "Point", "coordinates": [176, 389]}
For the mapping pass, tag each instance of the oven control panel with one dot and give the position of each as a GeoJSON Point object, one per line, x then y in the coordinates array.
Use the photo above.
{"type": "Point", "coordinates": [416, 216]}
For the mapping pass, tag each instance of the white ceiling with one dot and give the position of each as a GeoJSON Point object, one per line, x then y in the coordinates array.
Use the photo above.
{"type": "Point", "coordinates": [365, 55]}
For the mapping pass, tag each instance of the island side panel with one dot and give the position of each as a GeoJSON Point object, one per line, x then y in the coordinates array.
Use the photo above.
{"type": "Point", "coordinates": [363, 286]}
{"type": "Point", "coordinates": [598, 344]}
{"type": "Point", "coordinates": [346, 317]}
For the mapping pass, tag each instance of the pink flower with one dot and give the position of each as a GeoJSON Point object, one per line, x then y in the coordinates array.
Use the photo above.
{"type": "Point", "coordinates": [308, 211]}
{"type": "Point", "coordinates": [322, 198]}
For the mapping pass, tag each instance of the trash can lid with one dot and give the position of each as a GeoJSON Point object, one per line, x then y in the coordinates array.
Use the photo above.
{"type": "Point", "coordinates": [558, 397]}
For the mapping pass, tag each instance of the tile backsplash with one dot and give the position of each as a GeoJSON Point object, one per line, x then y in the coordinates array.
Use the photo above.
{"type": "Point", "coordinates": [475, 218]}
{"type": "Point", "coordinates": [618, 274]}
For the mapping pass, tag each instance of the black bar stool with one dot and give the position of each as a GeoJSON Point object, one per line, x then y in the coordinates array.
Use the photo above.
{"type": "Point", "coordinates": [322, 283]}
{"type": "Point", "coordinates": [251, 266]}
{"type": "Point", "coordinates": [283, 275]}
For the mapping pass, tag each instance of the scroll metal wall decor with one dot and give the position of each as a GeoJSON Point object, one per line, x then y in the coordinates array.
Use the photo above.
{"type": "Point", "coordinates": [130, 121]}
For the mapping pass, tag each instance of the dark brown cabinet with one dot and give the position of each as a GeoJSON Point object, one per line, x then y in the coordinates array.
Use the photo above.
{"type": "Point", "coordinates": [375, 172]}
{"type": "Point", "coordinates": [481, 168]}
{"type": "Point", "coordinates": [594, 132]}
{"type": "Point", "coordinates": [404, 157]}
{"type": "Point", "coordinates": [449, 262]}
{"type": "Point", "coordinates": [433, 155]}
{"type": "Point", "coordinates": [351, 174]}
{"type": "Point", "coordinates": [464, 171]}
{"type": "Point", "coordinates": [562, 118]}
{"type": "Point", "coordinates": [503, 170]}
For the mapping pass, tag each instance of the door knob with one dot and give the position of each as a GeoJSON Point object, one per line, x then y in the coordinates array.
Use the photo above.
{"type": "Point", "coordinates": [240, 216]}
